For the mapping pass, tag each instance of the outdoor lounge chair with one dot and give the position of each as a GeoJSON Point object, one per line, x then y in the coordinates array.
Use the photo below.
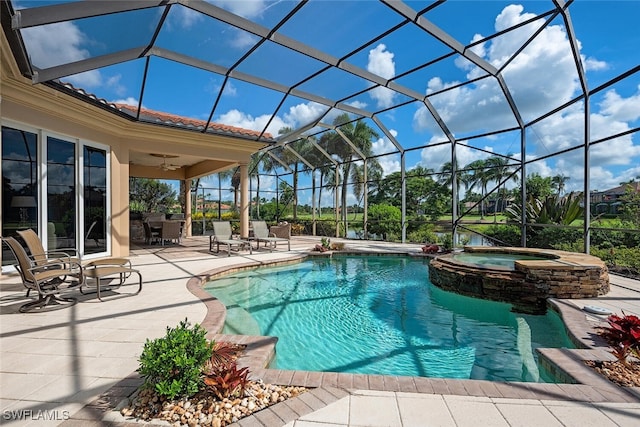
{"type": "Point", "coordinates": [49, 278]}
{"type": "Point", "coordinates": [97, 269]}
{"type": "Point", "coordinates": [40, 255]}
{"type": "Point", "coordinates": [262, 234]}
{"type": "Point", "coordinates": [222, 235]}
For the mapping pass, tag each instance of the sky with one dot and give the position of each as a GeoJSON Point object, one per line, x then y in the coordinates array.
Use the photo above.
{"type": "Point", "coordinates": [541, 77]}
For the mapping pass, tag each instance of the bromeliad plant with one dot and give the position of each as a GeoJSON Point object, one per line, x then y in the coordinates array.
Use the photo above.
{"type": "Point", "coordinates": [221, 374]}
{"type": "Point", "coordinates": [623, 336]}
{"type": "Point", "coordinates": [227, 381]}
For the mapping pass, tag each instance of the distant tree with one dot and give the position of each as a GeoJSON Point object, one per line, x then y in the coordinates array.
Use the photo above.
{"type": "Point", "coordinates": [631, 206]}
{"type": "Point", "coordinates": [539, 187]}
{"type": "Point", "coordinates": [361, 136]}
{"type": "Point", "coordinates": [477, 175]}
{"type": "Point", "coordinates": [499, 170]}
{"type": "Point", "coordinates": [301, 147]}
{"type": "Point", "coordinates": [558, 183]}
{"type": "Point", "coordinates": [150, 195]}
{"type": "Point", "coordinates": [384, 220]}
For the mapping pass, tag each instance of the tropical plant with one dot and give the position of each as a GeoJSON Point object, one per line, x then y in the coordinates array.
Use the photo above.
{"type": "Point", "coordinates": [554, 209]}
{"type": "Point", "coordinates": [623, 336]}
{"type": "Point", "coordinates": [172, 365]}
{"type": "Point", "coordinates": [227, 382]}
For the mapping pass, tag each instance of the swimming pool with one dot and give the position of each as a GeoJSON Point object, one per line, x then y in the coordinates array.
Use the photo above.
{"type": "Point", "coordinates": [381, 315]}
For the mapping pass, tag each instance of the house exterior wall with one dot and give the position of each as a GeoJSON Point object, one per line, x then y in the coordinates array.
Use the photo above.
{"type": "Point", "coordinates": [42, 107]}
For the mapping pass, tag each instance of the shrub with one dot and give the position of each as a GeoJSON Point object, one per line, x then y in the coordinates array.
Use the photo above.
{"type": "Point", "coordinates": [623, 336]}
{"type": "Point", "coordinates": [172, 365]}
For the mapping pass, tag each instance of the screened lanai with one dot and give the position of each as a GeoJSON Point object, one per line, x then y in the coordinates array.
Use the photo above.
{"type": "Point", "coordinates": [378, 119]}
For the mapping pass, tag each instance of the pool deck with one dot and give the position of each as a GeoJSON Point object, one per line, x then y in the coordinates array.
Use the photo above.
{"type": "Point", "coordinates": [71, 367]}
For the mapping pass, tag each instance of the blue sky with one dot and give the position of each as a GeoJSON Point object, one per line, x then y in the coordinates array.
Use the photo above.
{"type": "Point", "coordinates": [540, 78]}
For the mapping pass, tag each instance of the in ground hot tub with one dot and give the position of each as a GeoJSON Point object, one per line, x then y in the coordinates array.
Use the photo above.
{"type": "Point", "coordinates": [524, 277]}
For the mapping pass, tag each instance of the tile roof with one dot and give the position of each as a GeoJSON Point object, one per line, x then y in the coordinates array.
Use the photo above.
{"type": "Point", "coordinates": [152, 116]}
{"type": "Point", "coordinates": [186, 122]}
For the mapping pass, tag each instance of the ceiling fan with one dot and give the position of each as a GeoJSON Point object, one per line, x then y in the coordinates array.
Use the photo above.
{"type": "Point", "coordinates": [164, 165]}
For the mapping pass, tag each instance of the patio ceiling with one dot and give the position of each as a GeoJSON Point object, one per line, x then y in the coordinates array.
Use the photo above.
{"type": "Point", "coordinates": [287, 69]}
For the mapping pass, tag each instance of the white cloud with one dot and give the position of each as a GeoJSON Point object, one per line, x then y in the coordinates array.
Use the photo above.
{"type": "Point", "coordinates": [67, 46]}
{"type": "Point", "coordinates": [619, 108]}
{"type": "Point", "coordinates": [186, 17]}
{"type": "Point", "coordinates": [242, 39]}
{"type": "Point", "coordinates": [128, 101]}
{"type": "Point", "coordinates": [244, 8]}
{"type": "Point", "coordinates": [113, 82]}
{"type": "Point", "coordinates": [246, 121]}
{"type": "Point", "coordinates": [230, 89]}
{"type": "Point", "coordinates": [303, 114]}
{"type": "Point", "coordinates": [483, 105]}
{"type": "Point", "coordinates": [381, 63]}
{"type": "Point", "coordinates": [384, 145]}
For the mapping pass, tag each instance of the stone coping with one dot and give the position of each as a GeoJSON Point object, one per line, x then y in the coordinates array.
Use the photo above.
{"type": "Point", "coordinates": [561, 260]}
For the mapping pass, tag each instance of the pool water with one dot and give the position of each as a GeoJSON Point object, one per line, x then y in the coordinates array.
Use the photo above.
{"type": "Point", "coordinates": [494, 259]}
{"type": "Point", "coordinates": [381, 315]}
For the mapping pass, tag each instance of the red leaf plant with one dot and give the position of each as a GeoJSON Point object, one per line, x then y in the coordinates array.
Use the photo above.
{"type": "Point", "coordinates": [227, 381]}
{"type": "Point", "coordinates": [623, 336]}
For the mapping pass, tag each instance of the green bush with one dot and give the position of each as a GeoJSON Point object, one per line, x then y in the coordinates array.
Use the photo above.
{"type": "Point", "coordinates": [172, 365]}
{"type": "Point", "coordinates": [424, 233]}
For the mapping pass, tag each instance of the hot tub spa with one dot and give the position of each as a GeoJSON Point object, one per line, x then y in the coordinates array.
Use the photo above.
{"type": "Point", "coordinates": [524, 277]}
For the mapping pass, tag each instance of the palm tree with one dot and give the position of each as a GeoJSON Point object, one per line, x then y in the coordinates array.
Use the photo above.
{"type": "Point", "coordinates": [257, 161]}
{"type": "Point", "coordinates": [361, 136]}
{"type": "Point", "coordinates": [234, 175]}
{"type": "Point", "coordinates": [477, 175]}
{"type": "Point", "coordinates": [301, 146]}
{"type": "Point", "coordinates": [558, 182]}
{"type": "Point", "coordinates": [498, 168]}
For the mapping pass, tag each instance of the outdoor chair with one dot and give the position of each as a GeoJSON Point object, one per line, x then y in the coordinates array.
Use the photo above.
{"type": "Point", "coordinates": [41, 256]}
{"type": "Point", "coordinates": [49, 278]}
{"type": "Point", "coordinates": [170, 231]}
{"type": "Point", "coordinates": [262, 234]}
{"type": "Point", "coordinates": [222, 235]}
{"type": "Point", "coordinates": [119, 269]}
{"type": "Point", "coordinates": [150, 235]}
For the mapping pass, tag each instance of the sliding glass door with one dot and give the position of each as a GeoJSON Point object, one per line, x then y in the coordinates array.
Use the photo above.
{"type": "Point", "coordinates": [61, 192]}
{"type": "Point", "coordinates": [94, 171]}
{"type": "Point", "coordinates": [57, 186]}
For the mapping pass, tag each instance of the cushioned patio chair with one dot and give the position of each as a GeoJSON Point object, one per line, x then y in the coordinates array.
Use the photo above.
{"type": "Point", "coordinates": [49, 279]}
{"type": "Point", "coordinates": [222, 235]}
{"type": "Point", "coordinates": [40, 255]}
{"type": "Point", "coordinates": [262, 234]}
{"type": "Point", "coordinates": [117, 270]}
